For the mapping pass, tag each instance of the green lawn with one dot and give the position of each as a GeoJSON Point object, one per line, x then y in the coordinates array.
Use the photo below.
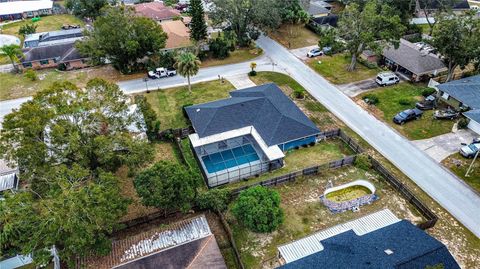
{"type": "Point", "coordinates": [46, 23]}
{"type": "Point", "coordinates": [389, 105]}
{"type": "Point", "coordinates": [459, 166]}
{"type": "Point", "coordinates": [302, 158]}
{"type": "Point", "coordinates": [294, 36]}
{"type": "Point", "coordinates": [238, 56]}
{"type": "Point", "coordinates": [334, 68]}
{"type": "Point", "coordinates": [168, 103]}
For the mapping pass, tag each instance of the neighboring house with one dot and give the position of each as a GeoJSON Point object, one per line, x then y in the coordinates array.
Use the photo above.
{"type": "Point", "coordinates": [8, 177]}
{"type": "Point", "coordinates": [325, 21]}
{"type": "Point", "coordinates": [17, 10]}
{"type": "Point", "coordinates": [178, 34]}
{"type": "Point", "coordinates": [378, 240]}
{"type": "Point", "coordinates": [53, 56]}
{"type": "Point", "coordinates": [52, 49]}
{"type": "Point", "coordinates": [52, 38]}
{"type": "Point", "coordinates": [413, 61]}
{"type": "Point", "coordinates": [318, 8]}
{"type": "Point", "coordinates": [369, 56]}
{"type": "Point", "coordinates": [157, 11]}
{"type": "Point", "coordinates": [185, 244]}
{"type": "Point", "coordinates": [463, 94]}
{"type": "Point", "coordinates": [247, 134]}
{"type": "Point", "coordinates": [457, 6]}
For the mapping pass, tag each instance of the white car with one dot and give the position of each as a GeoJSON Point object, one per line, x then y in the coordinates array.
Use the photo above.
{"type": "Point", "coordinates": [166, 72]}
{"type": "Point", "coordinates": [314, 53]}
{"type": "Point", "coordinates": [153, 75]}
{"type": "Point", "coordinates": [469, 151]}
{"type": "Point", "coordinates": [386, 79]}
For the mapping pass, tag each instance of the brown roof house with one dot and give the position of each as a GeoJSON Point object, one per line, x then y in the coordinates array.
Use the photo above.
{"type": "Point", "coordinates": [414, 61]}
{"type": "Point", "coordinates": [178, 34]}
{"type": "Point", "coordinates": [186, 244]}
{"type": "Point", "coordinates": [157, 11]}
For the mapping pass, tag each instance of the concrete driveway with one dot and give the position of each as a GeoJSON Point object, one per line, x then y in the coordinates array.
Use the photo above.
{"type": "Point", "coordinates": [301, 53]}
{"type": "Point", "coordinates": [355, 88]}
{"type": "Point", "coordinates": [442, 146]}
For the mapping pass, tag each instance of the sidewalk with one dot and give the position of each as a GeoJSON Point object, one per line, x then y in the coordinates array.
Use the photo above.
{"type": "Point", "coordinates": [240, 81]}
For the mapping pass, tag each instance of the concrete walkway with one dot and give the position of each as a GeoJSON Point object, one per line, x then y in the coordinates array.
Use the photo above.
{"type": "Point", "coordinates": [240, 81]}
{"type": "Point", "coordinates": [442, 146]}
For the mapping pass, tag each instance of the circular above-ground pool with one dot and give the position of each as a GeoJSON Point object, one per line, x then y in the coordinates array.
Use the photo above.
{"type": "Point", "coordinates": [6, 40]}
{"type": "Point", "coordinates": [349, 196]}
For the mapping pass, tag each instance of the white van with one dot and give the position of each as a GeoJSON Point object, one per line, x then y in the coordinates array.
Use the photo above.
{"type": "Point", "coordinates": [387, 78]}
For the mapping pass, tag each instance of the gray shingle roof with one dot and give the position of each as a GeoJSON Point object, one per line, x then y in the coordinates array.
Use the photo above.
{"type": "Point", "coordinates": [275, 117]}
{"type": "Point", "coordinates": [318, 7]}
{"type": "Point", "coordinates": [465, 90]}
{"type": "Point", "coordinates": [410, 57]}
{"type": "Point", "coordinates": [412, 248]}
{"type": "Point", "coordinates": [473, 115]}
{"type": "Point", "coordinates": [62, 52]}
{"type": "Point", "coordinates": [457, 4]}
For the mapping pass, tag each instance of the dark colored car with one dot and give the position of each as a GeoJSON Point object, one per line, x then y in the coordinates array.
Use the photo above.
{"type": "Point", "coordinates": [430, 102]}
{"type": "Point", "coordinates": [407, 115]}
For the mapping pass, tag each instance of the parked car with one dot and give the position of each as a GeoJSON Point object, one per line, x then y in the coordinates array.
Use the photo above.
{"type": "Point", "coordinates": [430, 102]}
{"type": "Point", "coordinates": [407, 115]}
{"type": "Point", "coordinates": [469, 151]}
{"type": "Point", "coordinates": [314, 53]}
{"type": "Point", "coordinates": [166, 72]}
{"type": "Point", "coordinates": [386, 79]}
{"type": "Point", "coordinates": [153, 75]}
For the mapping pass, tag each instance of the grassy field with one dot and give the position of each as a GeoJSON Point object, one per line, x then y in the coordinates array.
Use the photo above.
{"type": "Point", "coordinates": [394, 99]}
{"type": "Point", "coordinates": [305, 214]}
{"type": "Point", "coordinates": [46, 23]}
{"type": "Point", "coordinates": [238, 56]}
{"type": "Point", "coordinates": [294, 36]}
{"type": "Point", "coordinates": [168, 103]}
{"type": "Point", "coordinates": [459, 166]}
{"type": "Point", "coordinates": [334, 68]}
{"type": "Point", "coordinates": [295, 160]}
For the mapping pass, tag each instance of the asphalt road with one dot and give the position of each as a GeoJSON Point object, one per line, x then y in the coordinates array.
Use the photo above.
{"type": "Point", "coordinates": [451, 193]}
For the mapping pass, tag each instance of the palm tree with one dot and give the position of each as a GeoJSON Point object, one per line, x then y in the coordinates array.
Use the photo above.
{"type": "Point", "coordinates": [13, 52]}
{"type": "Point", "coordinates": [187, 65]}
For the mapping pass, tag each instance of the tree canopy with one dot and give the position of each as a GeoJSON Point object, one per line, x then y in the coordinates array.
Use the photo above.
{"type": "Point", "coordinates": [13, 52]}
{"type": "Point", "coordinates": [198, 25]}
{"type": "Point", "coordinates": [372, 25]}
{"type": "Point", "coordinates": [86, 8]}
{"type": "Point", "coordinates": [457, 39]}
{"type": "Point", "coordinates": [167, 185]}
{"type": "Point", "coordinates": [244, 17]}
{"type": "Point", "coordinates": [67, 125]}
{"type": "Point", "coordinates": [123, 38]}
{"type": "Point", "coordinates": [258, 208]}
{"type": "Point", "coordinates": [187, 65]}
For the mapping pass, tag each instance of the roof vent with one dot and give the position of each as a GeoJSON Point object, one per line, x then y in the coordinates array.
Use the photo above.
{"type": "Point", "coordinates": [198, 110]}
{"type": "Point", "coordinates": [388, 251]}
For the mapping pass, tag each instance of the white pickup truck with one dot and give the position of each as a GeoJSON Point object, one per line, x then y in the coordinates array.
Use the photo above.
{"type": "Point", "coordinates": [162, 72]}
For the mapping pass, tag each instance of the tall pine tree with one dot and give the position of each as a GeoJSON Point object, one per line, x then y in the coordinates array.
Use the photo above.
{"type": "Point", "coordinates": [198, 25]}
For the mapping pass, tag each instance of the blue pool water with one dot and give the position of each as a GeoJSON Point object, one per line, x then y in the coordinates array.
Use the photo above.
{"type": "Point", "coordinates": [229, 158]}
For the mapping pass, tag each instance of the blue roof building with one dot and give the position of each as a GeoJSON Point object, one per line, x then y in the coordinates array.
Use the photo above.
{"type": "Point", "coordinates": [399, 245]}
{"type": "Point", "coordinates": [246, 135]}
{"type": "Point", "coordinates": [464, 94]}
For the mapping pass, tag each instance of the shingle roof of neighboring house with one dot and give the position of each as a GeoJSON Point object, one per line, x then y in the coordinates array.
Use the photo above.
{"type": "Point", "coordinates": [473, 115]}
{"type": "Point", "coordinates": [416, 61]}
{"type": "Point", "coordinates": [411, 248]}
{"type": "Point", "coordinates": [331, 20]}
{"type": "Point", "coordinates": [457, 4]}
{"type": "Point", "coordinates": [62, 52]}
{"type": "Point", "coordinates": [157, 11]}
{"type": "Point", "coordinates": [275, 117]}
{"type": "Point", "coordinates": [465, 90]}
{"type": "Point", "coordinates": [16, 7]}
{"type": "Point", "coordinates": [178, 34]}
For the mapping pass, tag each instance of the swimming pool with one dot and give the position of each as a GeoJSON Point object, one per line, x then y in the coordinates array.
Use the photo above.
{"type": "Point", "coordinates": [230, 158]}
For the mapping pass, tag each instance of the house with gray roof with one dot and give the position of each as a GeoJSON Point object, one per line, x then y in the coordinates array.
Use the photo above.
{"type": "Point", "coordinates": [413, 61]}
{"type": "Point", "coordinates": [317, 8]}
{"type": "Point", "coordinates": [247, 134]}
{"type": "Point", "coordinates": [378, 240]}
{"type": "Point", "coordinates": [463, 94]}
